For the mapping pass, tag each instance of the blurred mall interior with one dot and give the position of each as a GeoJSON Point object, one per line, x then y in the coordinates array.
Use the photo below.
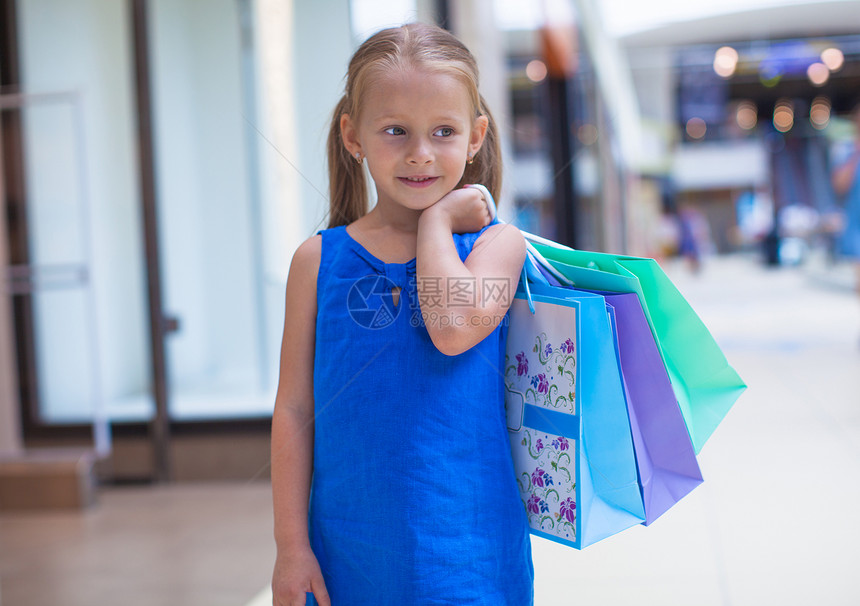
{"type": "Point", "coordinates": [160, 160]}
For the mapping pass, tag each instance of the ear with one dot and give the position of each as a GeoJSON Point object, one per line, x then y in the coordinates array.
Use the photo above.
{"type": "Point", "coordinates": [479, 131]}
{"type": "Point", "coordinates": [349, 135]}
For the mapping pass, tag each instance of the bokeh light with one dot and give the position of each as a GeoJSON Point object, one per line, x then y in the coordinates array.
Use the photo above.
{"type": "Point", "coordinates": [832, 58]}
{"type": "Point", "coordinates": [725, 61]}
{"type": "Point", "coordinates": [587, 134]}
{"type": "Point", "coordinates": [746, 115]}
{"type": "Point", "coordinates": [819, 112]}
{"type": "Point", "coordinates": [696, 128]}
{"type": "Point", "coordinates": [783, 116]}
{"type": "Point", "coordinates": [536, 70]}
{"type": "Point", "coordinates": [818, 74]}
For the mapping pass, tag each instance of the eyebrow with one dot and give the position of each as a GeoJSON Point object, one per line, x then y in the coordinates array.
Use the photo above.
{"type": "Point", "coordinates": [443, 119]}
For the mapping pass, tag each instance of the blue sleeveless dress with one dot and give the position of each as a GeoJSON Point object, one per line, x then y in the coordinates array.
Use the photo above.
{"type": "Point", "coordinates": [413, 499]}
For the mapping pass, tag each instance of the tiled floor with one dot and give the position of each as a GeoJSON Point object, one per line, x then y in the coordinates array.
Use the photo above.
{"type": "Point", "coordinates": [183, 545]}
{"type": "Point", "coordinates": [774, 524]}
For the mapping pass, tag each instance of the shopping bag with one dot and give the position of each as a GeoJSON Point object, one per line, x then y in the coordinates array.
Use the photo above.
{"type": "Point", "coordinates": [704, 383]}
{"type": "Point", "coordinates": [665, 457]}
{"type": "Point", "coordinates": [567, 417]}
{"type": "Point", "coordinates": [676, 386]}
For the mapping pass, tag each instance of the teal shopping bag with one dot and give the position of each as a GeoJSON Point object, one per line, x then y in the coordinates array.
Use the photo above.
{"type": "Point", "coordinates": [705, 385]}
{"type": "Point", "coordinates": [567, 418]}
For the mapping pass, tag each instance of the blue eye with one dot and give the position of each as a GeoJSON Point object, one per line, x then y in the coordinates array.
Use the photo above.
{"type": "Point", "coordinates": [395, 130]}
{"type": "Point", "coordinates": [445, 131]}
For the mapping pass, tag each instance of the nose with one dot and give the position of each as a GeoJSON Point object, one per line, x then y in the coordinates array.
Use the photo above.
{"type": "Point", "coordinates": [420, 153]}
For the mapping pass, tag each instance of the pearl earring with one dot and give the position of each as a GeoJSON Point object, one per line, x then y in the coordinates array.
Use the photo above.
{"type": "Point", "coordinates": [358, 157]}
{"type": "Point", "coordinates": [470, 159]}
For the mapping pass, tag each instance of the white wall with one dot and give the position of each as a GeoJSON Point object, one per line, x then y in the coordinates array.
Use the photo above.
{"type": "Point", "coordinates": [475, 25]}
{"type": "Point", "coordinates": [322, 46]}
{"type": "Point", "coordinates": [730, 164]}
{"type": "Point", "coordinates": [653, 73]}
{"type": "Point", "coordinates": [302, 50]}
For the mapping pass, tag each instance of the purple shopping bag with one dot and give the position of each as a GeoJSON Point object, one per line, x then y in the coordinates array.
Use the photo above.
{"type": "Point", "coordinates": [665, 456]}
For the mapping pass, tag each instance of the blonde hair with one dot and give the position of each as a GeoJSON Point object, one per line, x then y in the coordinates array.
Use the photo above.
{"type": "Point", "coordinates": [411, 46]}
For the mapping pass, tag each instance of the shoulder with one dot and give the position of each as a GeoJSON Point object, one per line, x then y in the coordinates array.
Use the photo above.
{"type": "Point", "coordinates": [306, 260]}
{"type": "Point", "coordinates": [502, 239]}
{"type": "Point", "coordinates": [309, 250]}
{"type": "Point", "coordinates": [301, 290]}
{"type": "Point", "coordinates": [499, 251]}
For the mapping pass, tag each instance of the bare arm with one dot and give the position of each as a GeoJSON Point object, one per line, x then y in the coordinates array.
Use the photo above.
{"type": "Point", "coordinates": [296, 568]}
{"type": "Point", "coordinates": [844, 174]}
{"type": "Point", "coordinates": [458, 321]}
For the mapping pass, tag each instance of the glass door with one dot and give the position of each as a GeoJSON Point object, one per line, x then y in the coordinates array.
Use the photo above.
{"type": "Point", "coordinates": [222, 350]}
{"type": "Point", "coordinates": [49, 278]}
{"type": "Point", "coordinates": [71, 193]}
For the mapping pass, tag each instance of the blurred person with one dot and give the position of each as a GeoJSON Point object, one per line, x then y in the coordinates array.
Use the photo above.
{"type": "Point", "coordinates": [667, 231]}
{"type": "Point", "coordinates": [754, 216]}
{"type": "Point", "coordinates": [382, 493]}
{"type": "Point", "coordinates": [666, 236]}
{"type": "Point", "coordinates": [846, 184]}
{"type": "Point", "coordinates": [694, 236]}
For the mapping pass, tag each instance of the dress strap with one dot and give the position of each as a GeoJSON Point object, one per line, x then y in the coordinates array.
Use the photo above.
{"type": "Point", "coordinates": [333, 240]}
{"type": "Point", "coordinates": [465, 242]}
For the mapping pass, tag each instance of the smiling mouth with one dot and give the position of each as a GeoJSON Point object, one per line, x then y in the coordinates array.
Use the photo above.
{"type": "Point", "coordinates": [418, 181]}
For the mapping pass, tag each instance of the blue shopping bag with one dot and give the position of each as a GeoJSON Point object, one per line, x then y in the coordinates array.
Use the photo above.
{"type": "Point", "coordinates": [567, 417]}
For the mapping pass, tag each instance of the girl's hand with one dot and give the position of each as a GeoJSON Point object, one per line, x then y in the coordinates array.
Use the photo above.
{"type": "Point", "coordinates": [463, 210]}
{"type": "Point", "coordinates": [297, 573]}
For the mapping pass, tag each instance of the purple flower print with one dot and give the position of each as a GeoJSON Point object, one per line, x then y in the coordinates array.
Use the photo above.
{"type": "Point", "coordinates": [542, 383]}
{"type": "Point", "coordinates": [563, 444]}
{"type": "Point", "coordinates": [567, 346]}
{"type": "Point", "coordinates": [541, 478]}
{"type": "Point", "coordinates": [567, 510]}
{"type": "Point", "coordinates": [547, 350]}
{"type": "Point", "coordinates": [539, 445]}
{"type": "Point", "coordinates": [522, 364]}
{"type": "Point", "coordinates": [532, 504]}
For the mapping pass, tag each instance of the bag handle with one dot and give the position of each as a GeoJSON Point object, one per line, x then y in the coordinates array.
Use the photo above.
{"type": "Point", "coordinates": [536, 266]}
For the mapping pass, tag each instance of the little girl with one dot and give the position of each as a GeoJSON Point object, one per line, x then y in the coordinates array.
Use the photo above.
{"type": "Point", "coordinates": [391, 468]}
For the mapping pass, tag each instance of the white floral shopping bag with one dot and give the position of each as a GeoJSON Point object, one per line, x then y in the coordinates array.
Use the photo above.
{"type": "Point", "coordinates": [567, 418]}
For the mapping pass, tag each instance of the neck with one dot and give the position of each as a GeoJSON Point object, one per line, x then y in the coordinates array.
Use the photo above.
{"type": "Point", "coordinates": [396, 217]}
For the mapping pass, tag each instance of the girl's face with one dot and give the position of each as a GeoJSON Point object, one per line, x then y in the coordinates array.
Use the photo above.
{"type": "Point", "coordinates": [416, 131]}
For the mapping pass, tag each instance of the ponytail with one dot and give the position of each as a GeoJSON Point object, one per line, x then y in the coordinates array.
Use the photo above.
{"type": "Point", "coordinates": [347, 186]}
{"type": "Point", "coordinates": [487, 166]}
